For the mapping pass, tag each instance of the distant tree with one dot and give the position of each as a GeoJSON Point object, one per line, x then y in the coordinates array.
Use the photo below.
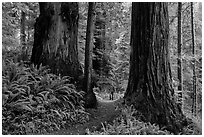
{"type": "Point", "coordinates": [10, 25]}
{"type": "Point", "coordinates": [150, 82]}
{"type": "Point", "coordinates": [24, 53]}
{"type": "Point", "coordinates": [55, 38]}
{"type": "Point", "coordinates": [23, 35]}
{"type": "Point", "coordinates": [194, 62]}
{"type": "Point", "coordinates": [99, 37]}
{"type": "Point", "coordinates": [32, 13]}
{"type": "Point", "coordinates": [179, 59]}
{"type": "Point", "coordinates": [118, 30]}
{"type": "Point", "coordinates": [102, 48]}
{"type": "Point", "coordinates": [90, 97]}
{"type": "Point", "coordinates": [187, 56]}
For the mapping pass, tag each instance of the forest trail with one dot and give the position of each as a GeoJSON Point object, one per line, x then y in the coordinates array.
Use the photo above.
{"type": "Point", "coordinates": [106, 111]}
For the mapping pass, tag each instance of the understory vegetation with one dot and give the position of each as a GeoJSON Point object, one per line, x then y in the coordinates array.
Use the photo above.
{"type": "Point", "coordinates": [130, 123]}
{"type": "Point", "coordinates": [36, 101]}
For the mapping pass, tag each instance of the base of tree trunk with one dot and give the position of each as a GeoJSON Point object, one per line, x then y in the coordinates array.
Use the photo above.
{"type": "Point", "coordinates": [168, 117]}
{"type": "Point", "coordinates": [90, 100]}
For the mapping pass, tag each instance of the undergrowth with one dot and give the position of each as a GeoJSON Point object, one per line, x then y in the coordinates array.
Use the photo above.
{"type": "Point", "coordinates": [129, 123]}
{"type": "Point", "coordinates": [35, 101]}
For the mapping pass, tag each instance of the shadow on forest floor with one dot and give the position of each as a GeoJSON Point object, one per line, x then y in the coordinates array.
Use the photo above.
{"type": "Point", "coordinates": [107, 111]}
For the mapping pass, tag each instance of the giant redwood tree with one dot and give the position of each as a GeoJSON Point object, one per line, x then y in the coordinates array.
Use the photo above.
{"type": "Point", "coordinates": [150, 88]}
{"type": "Point", "coordinates": [55, 38]}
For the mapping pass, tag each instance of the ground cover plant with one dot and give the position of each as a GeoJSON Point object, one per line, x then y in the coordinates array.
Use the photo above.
{"type": "Point", "coordinates": [36, 101]}
{"type": "Point", "coordinates": [130, 123]}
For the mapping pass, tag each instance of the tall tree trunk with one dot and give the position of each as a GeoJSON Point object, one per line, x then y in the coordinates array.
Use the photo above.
{"type": "Point", "coordinates": [55, 38]}
{"type": "Point", "coordinates": [90, 101]}
{"type": "Point", "coordinates": [150, 82]}
{"type": "Point", "coordinates": [179, 59]}
{"type": "Point", "coordinates": [194, 63]}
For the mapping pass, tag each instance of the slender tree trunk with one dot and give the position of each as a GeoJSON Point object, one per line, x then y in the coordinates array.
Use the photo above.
{"type": "Point", "coordinates": [194, 63]}
{"type": "Point", "coordinates": [179, 59]}
{"type": "Point", "coordinates": [150, 82]}
{"type": "Point", "coordinates": [90, 96]}
{"type": "Point", "coordinates": [55, 38]}
{"type": "Point", "coordinates": [23, 35]}
{"type": "Point", "coordinates": [28, 29]}
{"type": "Point", "coordinates": [24, 55]}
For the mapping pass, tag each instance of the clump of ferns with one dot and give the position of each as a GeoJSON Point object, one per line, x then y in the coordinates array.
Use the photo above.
{"type": "Point", "coordinates": [129, 123]}
{"type": "Point", "coordinates": [44, 100]}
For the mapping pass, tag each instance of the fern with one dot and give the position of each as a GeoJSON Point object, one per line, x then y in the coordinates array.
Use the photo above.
{"type": "Point", "coordinates": [36, 101]}
{"type": "Point", "coordinates": [129, 123]}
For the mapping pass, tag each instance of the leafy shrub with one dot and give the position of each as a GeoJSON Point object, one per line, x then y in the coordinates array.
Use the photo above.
{"type": "Point", "coordinates": [36, 101]}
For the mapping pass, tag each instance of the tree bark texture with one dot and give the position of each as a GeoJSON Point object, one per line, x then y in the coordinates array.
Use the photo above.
{"type": "Point", "coordinates": [55, 38]}
{"type": "Point", "coordinates": [179, 59]}
{"type": "Point", "coordinates": [194, 62]}
{"type": "Point", "coordinates": [90, 101]}
{"type": "Point", "coordinates": [150, 82]}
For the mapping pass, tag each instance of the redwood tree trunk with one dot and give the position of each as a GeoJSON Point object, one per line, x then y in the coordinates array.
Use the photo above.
{"type": "Point", "coordinates": [55, 38]}
{"type": "Point", "coordinates": [150, 81]}
{"type": "Point", "coordinates": [90, 101]}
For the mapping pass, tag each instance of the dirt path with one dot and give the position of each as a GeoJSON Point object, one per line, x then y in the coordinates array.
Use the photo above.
{"type": "Point", "coordinates": [106, 111]}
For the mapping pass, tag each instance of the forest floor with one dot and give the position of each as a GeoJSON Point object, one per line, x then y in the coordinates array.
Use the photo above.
{"type": "Point", "coordinates": [106, 112]}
